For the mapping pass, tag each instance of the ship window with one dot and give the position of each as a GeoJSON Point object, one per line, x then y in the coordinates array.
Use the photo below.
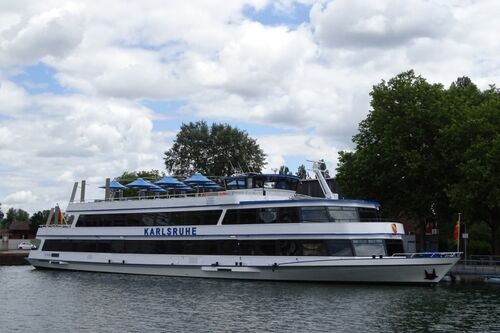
{"type": "Point", "coordinates": [268, 215]}
{"type": "Point", "coordinates": [368, 247]}
{"type": "Point", "coordinates": [288, 215]}
{"type": "Point", "coordinates": [314, 248]}
{"type": "Point", "coordinates": [209, 217]}
{"type": "Point", "coordinates": [69, 218]}
{"type": "Point", "coordinates": [343, 214]}
{"type": "Point", "coordinates": [247, 216]}
{"type": "Point", "coordinates": [262, 215]}
{"type": "Point", "coordinates": [231, 217]}
{"type": "Point", "coordinates": [394, 246]}
{"type": "Point", "coordinates": [282, 247]}
{"type": "Point", "coordinates": [265, 247]}
{"type": "Point", "coordinates": [339, 247]}
{"type": "Point", "coordinates": [104, 246]}
{"type": "Point", "coordinates": [368, 214]}
{"type": "Point", "coordinates": [314, 214]}
{"type": "Point", "coordinates": [163, 219]}
{"type": "Point", "coordinates": [290, 247]}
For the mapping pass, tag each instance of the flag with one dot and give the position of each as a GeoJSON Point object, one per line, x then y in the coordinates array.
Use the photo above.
{"type": "Point", "coordinates": [59, 216]}
{"type": "Point", "coordinates": [456, 231]}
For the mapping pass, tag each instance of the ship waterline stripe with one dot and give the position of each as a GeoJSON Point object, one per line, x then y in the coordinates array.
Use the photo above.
{"type": "Point", "coordinates": [269, 266]}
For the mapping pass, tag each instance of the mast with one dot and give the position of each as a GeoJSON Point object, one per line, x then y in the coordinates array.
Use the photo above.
{"type": "Point", "coordinates": [322, 181]}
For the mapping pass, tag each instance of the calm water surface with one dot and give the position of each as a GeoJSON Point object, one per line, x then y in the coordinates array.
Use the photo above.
{"type": "Point", "coordinates": [50, 301]}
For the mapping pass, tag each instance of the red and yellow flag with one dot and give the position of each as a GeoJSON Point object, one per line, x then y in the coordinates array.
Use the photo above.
{"type": "Point", "coordinates": [59, 216]}
{"type": "Point", "coordinates": [456, 231]}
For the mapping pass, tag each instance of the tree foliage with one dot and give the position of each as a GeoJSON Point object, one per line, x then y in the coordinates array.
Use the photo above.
{"type": "Point", "coordinates": [37, 219]}
{"type": "Point", "coordinates": [14, 214]}
{"type": "Point", "coordinates": [216, 150]}
{"type": "Point", "coordinates": [301, 172]}
{"type": "Point", "coordinates": [427, 153]}
{"type": "Point", "coordinates": [324, 170]}
{"type": "Point", "coordinates": [284, 170]}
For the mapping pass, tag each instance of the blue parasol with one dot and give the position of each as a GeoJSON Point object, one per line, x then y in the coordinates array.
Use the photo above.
{"type": "Point", "coordinates": [200, 181]}
{"type": "Point", "coordinates": [114, 185]}
{"type": "Point", "coordinates": [140, 184]}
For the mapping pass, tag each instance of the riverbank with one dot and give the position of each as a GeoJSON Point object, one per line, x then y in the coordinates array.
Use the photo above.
{"type": "Point", "coordinates": [14, 257]}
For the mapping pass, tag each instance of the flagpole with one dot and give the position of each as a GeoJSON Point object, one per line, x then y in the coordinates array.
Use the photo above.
{"type": "Point", "coordinates": [458, 239]}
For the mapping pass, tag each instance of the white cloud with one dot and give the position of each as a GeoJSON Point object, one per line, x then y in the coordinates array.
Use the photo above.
{"type": "Point", "coordinates": [384, 23]}
{"type": "Point", "coordinates": [13, 98]}
{"type": "Point", "coordinates": [53, 32]}
{"type": "Point", "coordinates": [311, 81]}
{"type": "Point", "coordinates": [310, 147]}
{"type": "Point", "coordinates": [20, 197]}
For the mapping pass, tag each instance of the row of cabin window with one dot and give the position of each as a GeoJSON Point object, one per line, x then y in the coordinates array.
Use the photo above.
{"type": "Point", "coordinates": [206, 217]}
{"type": "Point", "coordinates": [299, 214]}
{"type": "Point", "coordinates": [283, 247]}
{"type": "Point", "coordinates": [233, 216]}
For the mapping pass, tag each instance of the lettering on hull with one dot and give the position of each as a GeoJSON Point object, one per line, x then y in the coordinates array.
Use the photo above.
{"type": "Point", "coordinates": [170, 231]}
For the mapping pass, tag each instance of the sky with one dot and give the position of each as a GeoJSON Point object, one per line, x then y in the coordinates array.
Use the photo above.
{"type": "Point", "coordinates": [90, 89]}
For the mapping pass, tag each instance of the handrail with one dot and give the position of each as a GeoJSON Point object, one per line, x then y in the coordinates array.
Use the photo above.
{"type": "Point", "coordinates": [55, 226]}
{"type": "Point", "coordinates": [428, 254]}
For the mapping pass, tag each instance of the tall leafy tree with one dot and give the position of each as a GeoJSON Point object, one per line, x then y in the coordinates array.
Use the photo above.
{"type": "Point", "coordinates": [14, 214]}
{"type": "Point", "coordinates": [473, 146]}
{"type": "Point", "coordinates": [216, 150]}
{"type": "Point", "coordinates": [427, 153]}
{"type": "Point", "coordinates": [395, 160]}
{"type": "Point", "coordinates": [37, 219]}
{"type": "Point", "coordinates": [301, 172]}
{"type": "Point", "coordinates": [284, 170]}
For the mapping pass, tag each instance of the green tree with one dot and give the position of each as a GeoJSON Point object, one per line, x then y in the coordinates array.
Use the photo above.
{"type": "Point", "coordinates": [473, 146]}
{"type": "Point", "coordinates": [37, 219]}
{"type": "Point", "coordinates": [395, 160]}
{"type": "Point", "coordinates": [14, 214]}
{"type": "Point", "coordinates": [324, 170]}
{"type": "Point", "coordinates": [301, 172]}
{"type": "Point", "coordinates": [427, 153]}
{"type": "Point", "coordinates": [218, 150]}
{"type": "Point", "coordinates": [284, 170]}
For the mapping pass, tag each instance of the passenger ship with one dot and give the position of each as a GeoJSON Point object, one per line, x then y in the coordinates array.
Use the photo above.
{"type": "Point", "coordinates": [258, 228]}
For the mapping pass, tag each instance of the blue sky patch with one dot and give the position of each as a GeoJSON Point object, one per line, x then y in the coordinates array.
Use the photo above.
{"type": "Point", "coordinates": [271, 15]}
{"type": "Point", "coordinates": [38, 79]}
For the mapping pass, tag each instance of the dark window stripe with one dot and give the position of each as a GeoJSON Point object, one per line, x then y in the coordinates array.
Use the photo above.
{"type": "Point", "coordinates": [282, 247]}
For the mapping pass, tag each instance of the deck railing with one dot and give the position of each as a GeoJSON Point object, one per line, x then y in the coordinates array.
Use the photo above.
{"type": "Point", "coordinates": [478, 265]}
{"type": "Point", "coordinates": [429, 255]}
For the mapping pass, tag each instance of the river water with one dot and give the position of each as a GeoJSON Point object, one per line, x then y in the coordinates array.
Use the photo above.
{"type": "Point", "coordinates": [52, 301]}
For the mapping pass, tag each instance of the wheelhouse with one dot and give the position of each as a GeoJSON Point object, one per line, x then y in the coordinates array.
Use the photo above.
{"type": "Point", "coordinates": [256, 180]}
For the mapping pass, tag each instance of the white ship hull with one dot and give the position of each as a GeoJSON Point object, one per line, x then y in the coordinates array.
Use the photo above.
{"type": "Point", "coordinates": [361, 270]}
